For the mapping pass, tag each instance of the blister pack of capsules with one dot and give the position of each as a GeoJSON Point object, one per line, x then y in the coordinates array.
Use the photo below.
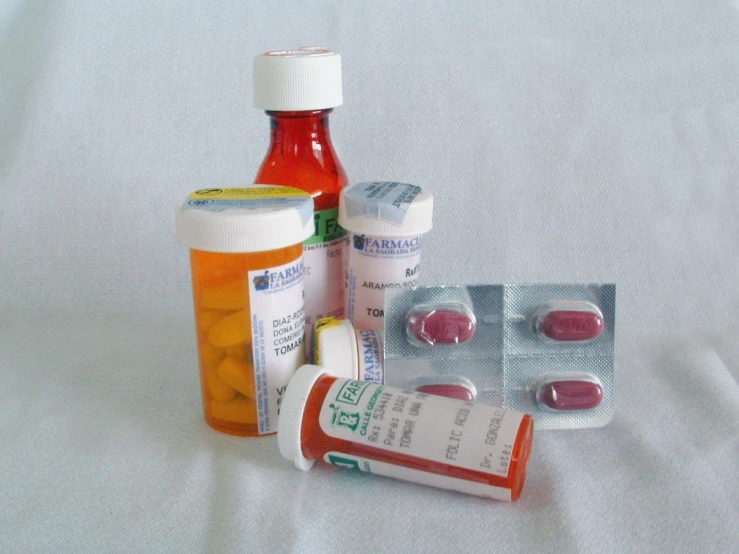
{"type": "Point", "coordinates": [544, 349]}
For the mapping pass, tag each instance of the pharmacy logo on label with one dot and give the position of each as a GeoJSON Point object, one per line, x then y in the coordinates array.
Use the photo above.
{"type": "Point", "coordinates": [342, 418]}
{"type": "Point", "coordinates": [359, 241]}
{"type": "Point", "coordinates": [351, 391]}
{"type": "Point", "coordinates": [275, 281]}
{"type": "Point", "coordinates": [200, 202]}
{"type": "Point", "coordinates": [261, 282]}
{"type": "Point", "coordinates": [341, 461]}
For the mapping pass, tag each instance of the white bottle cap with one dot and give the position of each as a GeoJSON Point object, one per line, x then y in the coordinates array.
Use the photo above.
{"type": "Point", "coordinates": [386, 209]}
{"type": "Point", "coordinates": [297, 80]}
{"type": "Point", "coordinates": [336, 349]}
{"type": "Point", "coordinates": [254, 218]}
{"type": "Point", "coordinates": [290, 423]}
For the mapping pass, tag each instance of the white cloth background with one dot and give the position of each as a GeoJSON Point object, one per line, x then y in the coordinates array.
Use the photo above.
{"type": "Point", "coordinates": [565, 141]}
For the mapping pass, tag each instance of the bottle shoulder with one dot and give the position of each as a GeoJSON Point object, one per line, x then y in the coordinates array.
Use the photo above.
{"type": "Point", "coordinates": [322, 180]}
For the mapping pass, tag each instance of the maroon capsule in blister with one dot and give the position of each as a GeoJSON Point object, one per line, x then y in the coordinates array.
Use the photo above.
{"type": "Point", "coordinates": [458, 392]}
{"type": "Point", "coordinates": [448, 386]}
{"type": "Point", "coordinates": [565, 392]}
{"type": "Point", "coordinates": [434, 324]}
{"type": "Point", "coordinates": [569, 321]}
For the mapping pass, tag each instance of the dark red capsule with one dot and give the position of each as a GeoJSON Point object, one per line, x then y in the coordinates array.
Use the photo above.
{"type": "Point", "coordinates": [571, 395]}
{"type": "Point", "coordinates": [442, 326]}
{"type": "Point", "coordinates": [458, 392]}
{"type": "Point", "coordinates": [572, 325]}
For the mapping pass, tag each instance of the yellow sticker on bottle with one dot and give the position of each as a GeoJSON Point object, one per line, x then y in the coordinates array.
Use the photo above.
{"type": "Point", "coordinates": [245, 193]}
{"type": "Point", "coordinates": [253, 197]}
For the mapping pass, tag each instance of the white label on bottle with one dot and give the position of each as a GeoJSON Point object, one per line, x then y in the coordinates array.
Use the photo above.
{"type": "Point", "coordinates": [323, 255]}
{"type": "Point", "coordinates": [278, 331]}
{"type": "Point", "coordinates": [477, 437]}
{"type": "Point", "coordinates": [370, 353]}
{"type": "Point", "coordinates": [375, 264]}
{"type": "Point", "coordinates": [350, 461]}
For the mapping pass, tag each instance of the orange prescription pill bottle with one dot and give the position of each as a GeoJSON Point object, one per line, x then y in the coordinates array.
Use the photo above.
{"type": "Point", "coordinates": [246, 256]}
{"type": "Point", "coordinates": [442, 442]}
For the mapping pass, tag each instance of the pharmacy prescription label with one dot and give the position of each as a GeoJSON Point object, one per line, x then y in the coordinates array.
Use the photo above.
{"type": "Point", "coordinates": [471, 436]}
{"type": "Point", "coordinates": [277, 306]}
{"type": "Point", "coordinates": [376, 264]}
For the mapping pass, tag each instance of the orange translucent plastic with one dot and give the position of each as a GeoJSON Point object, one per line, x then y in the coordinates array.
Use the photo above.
{"type": "Point", "coordinates": [220, 289]}
{"type": "Point", "coordinates": [315, 444]}
{"type": "Point", "coordinates": [301, 155]}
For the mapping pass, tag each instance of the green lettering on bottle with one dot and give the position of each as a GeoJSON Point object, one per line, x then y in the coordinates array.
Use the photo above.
{"type": "Point", "coordinates": [326, 227]}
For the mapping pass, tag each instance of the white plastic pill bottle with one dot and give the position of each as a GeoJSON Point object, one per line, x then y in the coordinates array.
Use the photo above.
{"type": "Point", "coordinates": [385, 224]}
{"type": "Point", "coordinates": [348, 352]}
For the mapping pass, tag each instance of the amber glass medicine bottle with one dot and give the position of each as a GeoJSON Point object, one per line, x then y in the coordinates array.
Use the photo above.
{"type": "Point", "coordinates": [299, 89]}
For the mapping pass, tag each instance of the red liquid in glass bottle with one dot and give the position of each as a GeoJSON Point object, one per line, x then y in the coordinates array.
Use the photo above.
{"type": "Point", "coordinates": [298, 89]}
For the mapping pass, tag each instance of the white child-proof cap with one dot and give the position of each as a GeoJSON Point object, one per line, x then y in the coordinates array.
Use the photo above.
{"type": "Point", "coordinates": [386, 209]}
{"type": "Point", "coordinates": [292, 409]}
{"type": "Point", "coordinates": [297, 80]}
{"type": "Point", "coordinates": [336, 348]}
{"type": "Point", "coordinates": [254, 218]}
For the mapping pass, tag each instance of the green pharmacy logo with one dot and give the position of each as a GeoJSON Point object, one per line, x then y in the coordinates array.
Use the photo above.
{"type": "Point", "coordinates": [344, 419]}
{"type": "Point", "coordinates": [261, 282]}
{"type": "Point", "coordinates": [342, 461]}
{"type": "Point", "coordinates": [351, 392]}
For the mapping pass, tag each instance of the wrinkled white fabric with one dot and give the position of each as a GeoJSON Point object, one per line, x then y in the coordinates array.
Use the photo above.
{"type": "Point", "coordinates": [580, 141]}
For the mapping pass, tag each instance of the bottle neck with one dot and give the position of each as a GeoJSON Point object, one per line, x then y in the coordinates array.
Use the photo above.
{"type": "Point", "coordinates": [301, 155]}
{"type": "Point", "coordinates": [294, 132]}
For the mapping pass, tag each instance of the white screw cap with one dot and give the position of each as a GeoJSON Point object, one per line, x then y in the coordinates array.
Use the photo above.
{"type": "Point", "coordinates": [291, 415]}
{"type": "Point", "coordinates": [336, 348]}
{"type": "Point", "coordinates": [253, 218]}
{"type": "Point", "coordinates": [386, 209]}
{"type": "Point", "coordinates": [297, 80]}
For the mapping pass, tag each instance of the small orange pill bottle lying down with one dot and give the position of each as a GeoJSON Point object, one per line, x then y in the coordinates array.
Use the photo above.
{"type": "Point", "coordinates": [246, 256]}
{"type": "Point", "coordinates": [442, 442]}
